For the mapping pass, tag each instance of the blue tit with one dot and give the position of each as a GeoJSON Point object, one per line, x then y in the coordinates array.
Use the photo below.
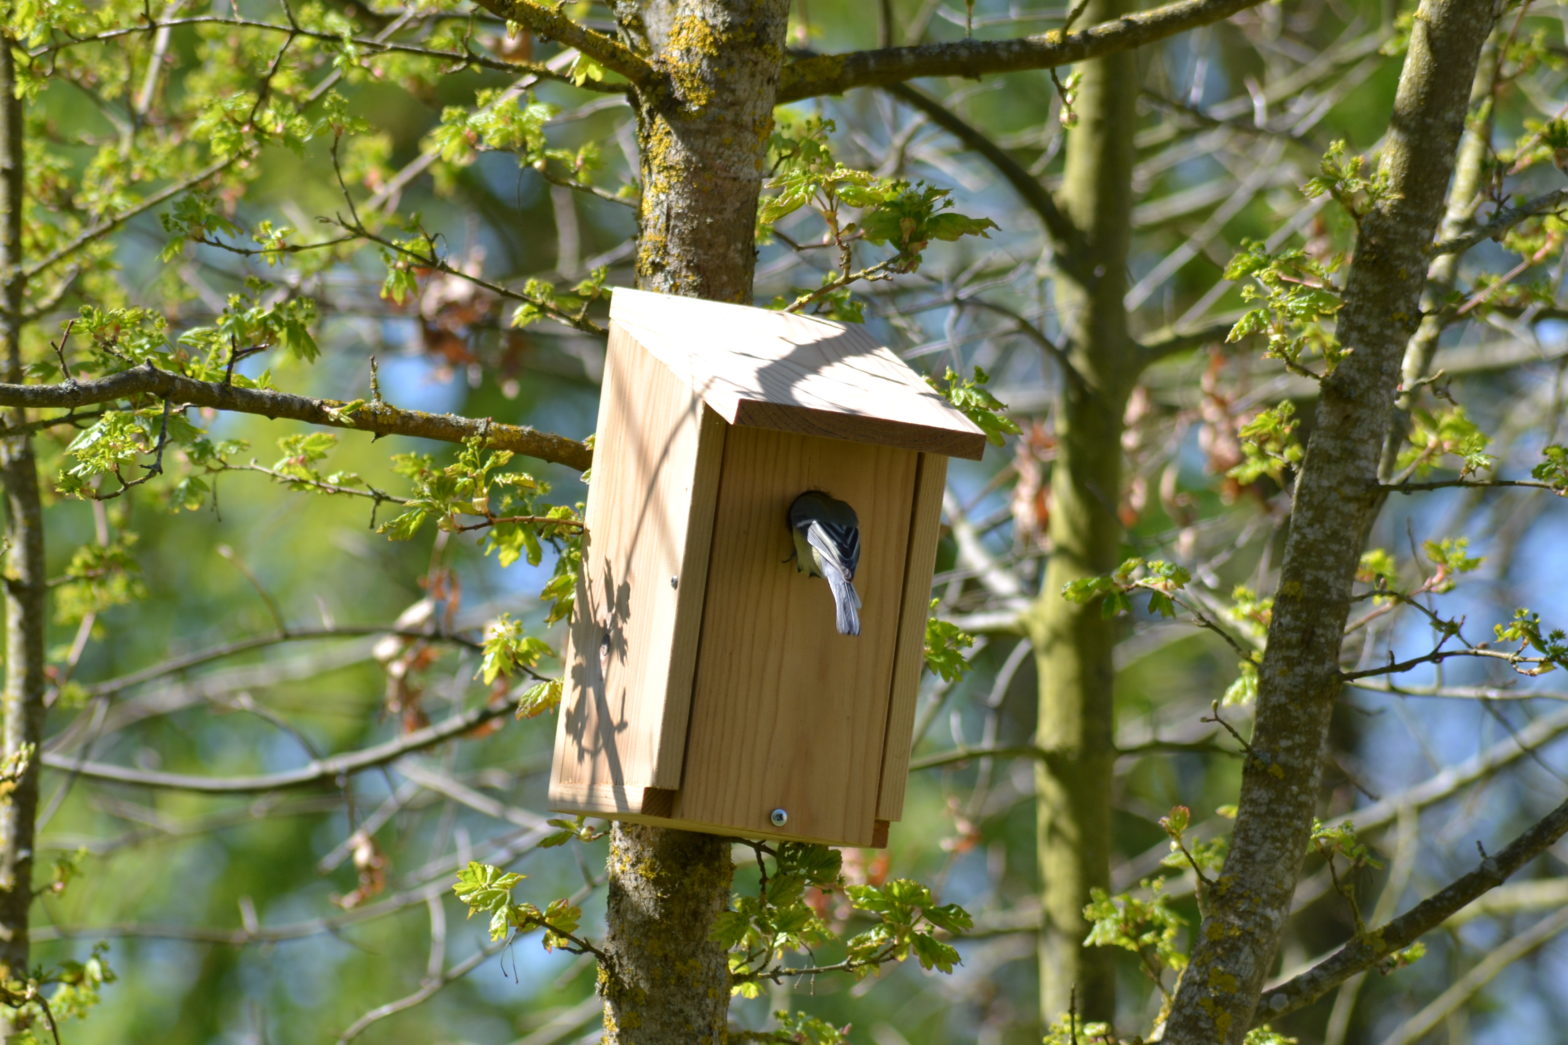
{"type": "Point", "coordinates": [827, 545]}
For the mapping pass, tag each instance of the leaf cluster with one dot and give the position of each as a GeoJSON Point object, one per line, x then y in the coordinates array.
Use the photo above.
{"type": "Point", "coordinates": [1344, 178]}
{"type": "Point", "coordinates": [486, 889]}
{"type": "Point", "coordinates": [34, 1016]}
{"type": "Point", "coordinates": [944, 646]}
{"type": "Point", "coordinates": [1438, 434]}
{"type": "Point", "coordinates": [855, 205]}
{"type": "Point", "coordinates": [1293, 297]}
{"type": "Point", "coordinates": [1159, 578]}
{"type": "Point", "coordinates": [1551, 644]}
{"type": "Point", "coordinates": [785, 916]}
{"type": "Point", "coordinates": [511, 504]}
{"type": "Point", "coordinates": [1268, 445]}
{"type": "Point", "coordinates": [971, 396]}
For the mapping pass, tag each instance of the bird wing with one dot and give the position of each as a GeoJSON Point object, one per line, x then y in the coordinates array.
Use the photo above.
{"type": "Point", "coordinates": [836, 542]}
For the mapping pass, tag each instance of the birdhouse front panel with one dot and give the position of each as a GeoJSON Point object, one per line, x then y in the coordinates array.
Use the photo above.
{"type": "Point", "coordinates": [789, 718]}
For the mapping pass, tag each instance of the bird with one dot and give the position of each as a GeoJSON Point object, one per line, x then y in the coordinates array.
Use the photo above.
{"type": "Point", "coordinates": [827, 545]}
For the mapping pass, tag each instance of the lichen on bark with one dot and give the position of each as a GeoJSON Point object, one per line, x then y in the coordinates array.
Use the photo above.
{"type": "Point", "coordinates": [1335, 502]}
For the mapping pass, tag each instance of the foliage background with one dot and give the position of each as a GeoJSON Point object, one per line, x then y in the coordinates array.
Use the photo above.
{"type": "Point", "coordinates": [224, 914]}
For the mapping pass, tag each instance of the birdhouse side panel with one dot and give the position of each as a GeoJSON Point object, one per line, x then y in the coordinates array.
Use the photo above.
{"type": "Point", "coordinates": [633, 636]}
{"type": "Point", "coordinates": [909, 659]}
{"type": "Point", "coordinates": [788, 714]}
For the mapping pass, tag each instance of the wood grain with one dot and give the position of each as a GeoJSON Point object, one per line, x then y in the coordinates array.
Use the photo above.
{"type": "Point", "coordinates": [649, 518]}
{"type": "Point", "coordinates": [909, 658]}
{"type": "Point", "coordinates": [786, 713]}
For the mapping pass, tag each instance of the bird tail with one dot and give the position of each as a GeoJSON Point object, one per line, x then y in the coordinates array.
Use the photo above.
{"type": "Point", "coordinates": [846, 602]}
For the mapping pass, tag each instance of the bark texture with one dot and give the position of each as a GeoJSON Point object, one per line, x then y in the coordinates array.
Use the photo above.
{"type": "Point", "coordinates": [703, 124]}
{"type": "Point", "coordinates": [1074, 642]}
{"type": "Point", "coordinates": [22, 704]}
{"type": "Point", "coordinates": [703, 131]}
{"type": "Point", "coordinates": [1335, 502]}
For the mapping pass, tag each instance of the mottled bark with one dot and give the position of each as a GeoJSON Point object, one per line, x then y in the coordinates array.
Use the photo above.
{"type": "Point", "coordinates": [22, 705]}
{"type": "Point", "coordinates": [703, 135]}
{"type": "Point", "coordinates": [1336, 499]}
{"type": "Point", "coordinates": [1074, 642]}
{"type": "Point", "coordinates": [703, 127]}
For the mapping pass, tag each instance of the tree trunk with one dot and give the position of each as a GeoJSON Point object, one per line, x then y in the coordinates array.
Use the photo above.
{"type": "Point", "coordinates": [1336, 500]}
{"type": "Point", "coordinates": [1074, 642]}
{"type": "Point", "coordinates": [22, 705]}
{"type": "Point", "coordinates": [703, 131]}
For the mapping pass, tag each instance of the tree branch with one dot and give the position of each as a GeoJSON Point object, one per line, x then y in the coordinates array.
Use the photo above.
{"type": "Point", "coordinates": [1370, 948]}
{"type": "Point", "coordinates": [363, 416]}
{"type": "Point", "coordinates": [174, 666]}
{"type": "Point", "coordinates": [1335, 503]}
{"type": "Point", "coordinates": [317, 771]}
{"type": "Point", "coordinates": [553, 22]}
{"type": "Point", "coordinates": [379, 44]}
{"type": "Point", "coordinates": [813, 75]}
{"type": "Point", "coordinates": [1068, 240]}
{"type": "Point", "coordinates": [1549, 202]}
{"type": "Point", "coordinates": [502, 851]}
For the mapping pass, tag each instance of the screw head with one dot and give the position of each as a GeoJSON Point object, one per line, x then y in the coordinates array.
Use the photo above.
{"type": "Point", "coordinates": [779, 817]}
{"type": "Point", "coordinates": [675, 581]}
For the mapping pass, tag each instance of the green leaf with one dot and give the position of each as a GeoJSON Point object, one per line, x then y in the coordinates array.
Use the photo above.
{"type": "Point", "coordinates": [944, 646]}
{"type": "Point", "coordinates": [971, 397]}
{"type": "Point", "coordinates": [507, 649]}
{"type": "Point", "coordinates": [485, 887]}
{"type": "Point", "coordinates": [933, 953]}
{"type": "Point", "coordinates": [539, 699]}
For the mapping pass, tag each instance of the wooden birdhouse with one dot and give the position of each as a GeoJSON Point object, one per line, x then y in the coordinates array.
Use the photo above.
{"type": "Point", "coordinates": [707, 687]}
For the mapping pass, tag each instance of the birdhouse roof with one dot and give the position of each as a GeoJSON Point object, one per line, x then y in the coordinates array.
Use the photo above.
{"type": "Point", "coordinates": [761, 368]}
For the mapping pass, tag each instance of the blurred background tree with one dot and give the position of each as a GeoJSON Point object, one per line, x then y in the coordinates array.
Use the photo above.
{"type": "Point", "coordinates": [272, 664]}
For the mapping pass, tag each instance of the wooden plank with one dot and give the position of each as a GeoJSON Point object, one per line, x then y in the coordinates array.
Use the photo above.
{"type": "Point", "coordinates": [786, 713]}
{"type": "Point", "coordinates": [632, 642]}
{"type": "Point", "coordinates": [766, 369]}
{"type": "Point", "coordinates": [909, 660]}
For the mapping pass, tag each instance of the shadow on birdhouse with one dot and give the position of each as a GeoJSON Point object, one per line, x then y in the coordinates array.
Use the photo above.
{"type": "Point", "coordinates": [707, 686]}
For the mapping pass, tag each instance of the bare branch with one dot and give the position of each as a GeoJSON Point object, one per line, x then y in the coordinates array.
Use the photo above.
{"type": "Point", "coordinates": [317, 771]}
{"type": "Point", "coordinates": [1545, 203]}
{"type": "Point", "coordinates": [430, 986]}
{"type": "Point", "coordinates": [814, 75]}
{"type": "Point", "coordinates": [1370, 948]}
{"type": "Point", "coordinates": [502, 850]}
{"type": "Point", "coordinates": [175, 666]}
{"type": "Point", "coordinates": [1068, 240]}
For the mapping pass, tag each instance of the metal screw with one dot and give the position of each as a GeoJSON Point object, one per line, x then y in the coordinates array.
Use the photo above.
{"type": "Point", "coordinates": [779, 817]}
{"type": "Point", "coordinates": [674, 581]}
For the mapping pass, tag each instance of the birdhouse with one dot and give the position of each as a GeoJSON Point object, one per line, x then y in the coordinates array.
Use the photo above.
{"type": "Point", "coordinates": [707, 687]}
